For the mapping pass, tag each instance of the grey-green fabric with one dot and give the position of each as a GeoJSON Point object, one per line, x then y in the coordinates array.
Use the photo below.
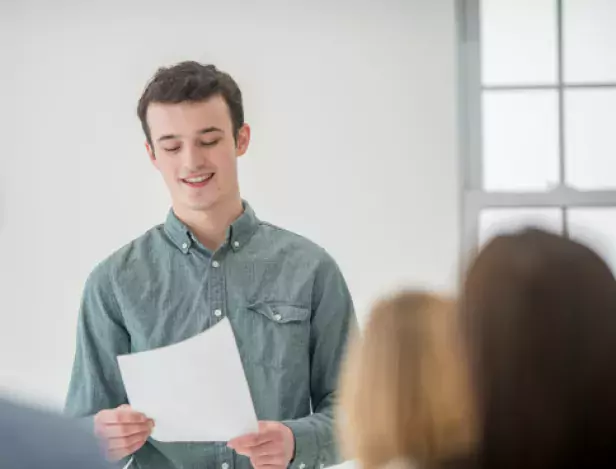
{"type": "Point", "coordinates": [289, 308]}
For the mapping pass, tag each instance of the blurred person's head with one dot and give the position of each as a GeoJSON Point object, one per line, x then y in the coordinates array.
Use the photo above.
{"type": "Point", "coordinates": [539, 312]}
{"type": "Point", "coordinates": [404, 387]}
{"type": "Point", "coordinates": [193, 119]}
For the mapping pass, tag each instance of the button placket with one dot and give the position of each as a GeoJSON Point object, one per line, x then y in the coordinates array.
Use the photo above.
{"type": "Point", "coordinates": [216, 290]}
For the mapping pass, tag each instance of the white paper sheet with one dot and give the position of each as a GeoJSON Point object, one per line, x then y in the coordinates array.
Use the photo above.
{"type": "Point", "coordinates": [195, 390]}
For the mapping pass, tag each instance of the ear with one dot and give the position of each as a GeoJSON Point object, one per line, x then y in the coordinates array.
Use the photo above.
{"type": "Point", "coordinates": [243, 140]}
{"type": "Point", "coordinates": [151, 154]}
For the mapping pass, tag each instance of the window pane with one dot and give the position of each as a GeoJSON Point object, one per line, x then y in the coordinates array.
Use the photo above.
{"type": "Point", "coordinates": [595, 227]}
{"type": "Point", "coordinates": [590, 157]}
{"type": "Point", "coordinates": [518, 41]}
{"type": "Point", "coordinates": [589, 40]}
{"type": "Point", "coordinates": [504, 220]}
{"type": "Point", "coordinates": [520, 140]}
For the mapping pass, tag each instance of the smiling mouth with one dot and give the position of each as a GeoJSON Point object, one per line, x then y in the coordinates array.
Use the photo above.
{"type": "Point", "coordinates": [198, 181]}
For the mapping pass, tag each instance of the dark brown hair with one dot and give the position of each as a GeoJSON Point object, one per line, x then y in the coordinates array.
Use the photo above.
{"type": "Point", "coordinates": [193, 82]}
{"type": "Point", "coordinates": [539, 313]}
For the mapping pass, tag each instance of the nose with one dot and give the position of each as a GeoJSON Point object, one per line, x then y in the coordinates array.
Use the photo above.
{"type": "Point", "coordinates": [193, 159]}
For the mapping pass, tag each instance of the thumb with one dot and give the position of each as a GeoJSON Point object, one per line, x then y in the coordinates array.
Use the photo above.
{"type": "Point", "coordinates": [264, 426]}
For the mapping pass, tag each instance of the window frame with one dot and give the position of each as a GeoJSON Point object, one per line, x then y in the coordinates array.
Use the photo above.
{"type": "Point", "coordinates": [474, 198]}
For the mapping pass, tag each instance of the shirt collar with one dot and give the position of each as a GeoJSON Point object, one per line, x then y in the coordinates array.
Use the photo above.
{"type": "Point", "coordinates": [238, 234]}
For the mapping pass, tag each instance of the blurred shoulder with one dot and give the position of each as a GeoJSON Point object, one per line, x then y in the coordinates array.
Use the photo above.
{"type": "Point", "coordinates": [38, 438]}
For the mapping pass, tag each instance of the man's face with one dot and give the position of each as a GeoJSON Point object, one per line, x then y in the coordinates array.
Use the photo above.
{"type": "Point", "coordinates": [195, 151]}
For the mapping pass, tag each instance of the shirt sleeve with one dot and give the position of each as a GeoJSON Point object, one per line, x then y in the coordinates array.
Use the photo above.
{"type": "Point", "coordinates": [96, 382]}
{"type": "Point", "coordinates": [333, 318]}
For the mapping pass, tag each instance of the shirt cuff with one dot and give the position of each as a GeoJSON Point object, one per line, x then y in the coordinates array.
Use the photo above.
{"type": "Point", "coordinates": [306, 447]}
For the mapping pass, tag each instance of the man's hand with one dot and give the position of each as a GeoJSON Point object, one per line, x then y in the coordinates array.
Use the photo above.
{"type": "Point", "coordinates": [272, 447]}
{"type": "Point", "coordinates": [122, 431]}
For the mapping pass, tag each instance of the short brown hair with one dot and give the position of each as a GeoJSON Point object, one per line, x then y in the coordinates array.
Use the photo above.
{"type": "Point", "coordinates": [404, 393]}
{"type": "Point", "coordinates": [540, 318]}
{"type": "Point", "coordinates": [191, 81]}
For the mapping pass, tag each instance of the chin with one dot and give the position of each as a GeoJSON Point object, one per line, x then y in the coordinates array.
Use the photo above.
{"type": "Point", "coordinates": [201, 205]}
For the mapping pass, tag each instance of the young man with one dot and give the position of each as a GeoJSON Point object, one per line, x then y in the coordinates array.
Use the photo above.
{"type": "Point", "coordinates": [213, 258]}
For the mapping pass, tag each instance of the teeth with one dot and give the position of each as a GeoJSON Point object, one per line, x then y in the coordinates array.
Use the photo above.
{"type": "Point", "coordinates": [197, 179]}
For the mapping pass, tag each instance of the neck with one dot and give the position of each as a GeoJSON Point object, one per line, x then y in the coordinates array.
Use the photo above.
{"type": "Point", "coordinates": [210, 226]}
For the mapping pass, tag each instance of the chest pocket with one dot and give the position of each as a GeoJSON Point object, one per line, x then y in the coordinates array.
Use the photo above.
{"type": "Point", "coordinates": [278, 335]}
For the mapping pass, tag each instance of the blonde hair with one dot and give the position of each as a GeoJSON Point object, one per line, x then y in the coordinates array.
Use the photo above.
{"type": "Point", "coordinates": [404, 392]}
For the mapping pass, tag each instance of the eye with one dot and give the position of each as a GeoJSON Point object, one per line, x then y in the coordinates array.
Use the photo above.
{"type": "Point", "coordinates": [172, 149]}
{"type": "Point", "coordinates": [209, 144]}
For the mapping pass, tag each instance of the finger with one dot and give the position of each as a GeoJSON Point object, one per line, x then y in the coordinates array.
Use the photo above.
{"type": "Point", "coordinates": [268, 447]}
{"type": "Point", "coordinates": [125, 429]}
{"type": "Point", "coordinates": [244, 441]}
{"type": "Point", "coordinates": [116, 455]}
{"type": "Point", "coordinates": [253, 440]}
{"type": "Point", "coordinates": [268, 460]}
{"type": "Point", "coordinates": [128, 442]}
{"type": "Point", "coordinates": [270, 466]}
{"type": "Point", "coordinates": [265, 432]}
{"type": "Point", "coordinates": [243, 450]}
{"type": "Point", "coordinates": [122, 414]}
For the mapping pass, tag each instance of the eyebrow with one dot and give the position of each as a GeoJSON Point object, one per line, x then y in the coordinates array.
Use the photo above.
{"type": "Point", "coordinates": [206, 130]}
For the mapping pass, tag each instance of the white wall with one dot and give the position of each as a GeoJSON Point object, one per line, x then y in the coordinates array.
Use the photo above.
{"type": "Point", "coordinates": [352, 105]}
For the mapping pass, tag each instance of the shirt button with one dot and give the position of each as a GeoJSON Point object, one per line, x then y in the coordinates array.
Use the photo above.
{"type": "Point", "coordinates": [302, 466]}
{"type": "Point", "coordinates": [278, 317]}
{"type": "Point", "coordinates": [236, 244]}
{"type": "Point", "coordinates": [185, 246]}
{"type": "Point", "coordinates": [215, 264]}
{"type": "Point", "coordinates": [218, 313]}
{"type": "Point", "coordinates": [225, 465]}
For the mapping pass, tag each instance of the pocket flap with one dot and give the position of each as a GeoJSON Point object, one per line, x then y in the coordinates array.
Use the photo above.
{"type": "Point", "coordinates": [281, 313]}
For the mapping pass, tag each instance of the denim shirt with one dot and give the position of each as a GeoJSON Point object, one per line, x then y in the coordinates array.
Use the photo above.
{"type": "Point", "coordinates": [287, 302]}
